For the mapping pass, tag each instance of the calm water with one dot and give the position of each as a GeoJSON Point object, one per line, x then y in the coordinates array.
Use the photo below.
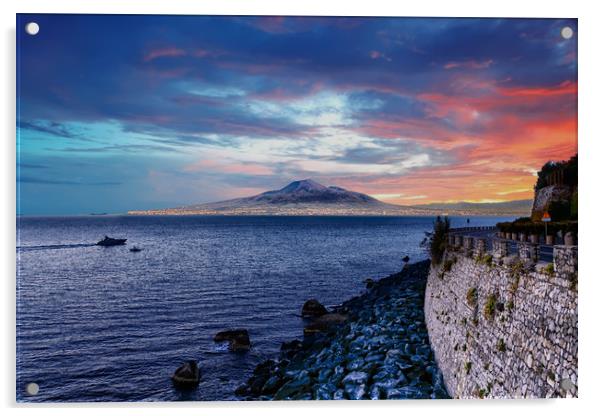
{"type": "Point", "coordinates": [105, 324]}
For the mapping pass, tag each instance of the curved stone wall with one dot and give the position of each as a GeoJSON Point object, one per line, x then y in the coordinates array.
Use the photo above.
{"type": "Point", "coordinates": [501, 328]}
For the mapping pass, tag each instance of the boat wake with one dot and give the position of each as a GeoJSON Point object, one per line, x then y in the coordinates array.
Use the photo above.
{"type": "Point", "coordinates": [53, 247]}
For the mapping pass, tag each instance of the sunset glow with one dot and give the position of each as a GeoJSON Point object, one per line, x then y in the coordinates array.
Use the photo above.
{"type": "Point", "coordinates": [166, 111]}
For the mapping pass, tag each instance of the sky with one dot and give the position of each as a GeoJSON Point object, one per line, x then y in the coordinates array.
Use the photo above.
{"type": "Point", "coordinates": [118, 113]}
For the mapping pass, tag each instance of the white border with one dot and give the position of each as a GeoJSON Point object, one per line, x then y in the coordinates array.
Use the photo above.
{"type": "Point", "coordinates": [590, 290]}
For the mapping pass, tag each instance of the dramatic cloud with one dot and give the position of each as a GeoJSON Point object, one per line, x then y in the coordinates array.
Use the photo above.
{"type": "Point", "coordinates": [171, 110]}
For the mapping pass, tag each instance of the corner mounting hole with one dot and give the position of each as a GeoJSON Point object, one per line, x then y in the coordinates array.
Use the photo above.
{"type": "Point", "coordinates": [566, 32]}
{"type": "Point", "coordinates": [32, 28]}
{"type": "Point", "coordinates": [32, 389]}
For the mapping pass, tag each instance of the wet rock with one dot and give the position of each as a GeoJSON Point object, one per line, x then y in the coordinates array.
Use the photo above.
{"type": "Point", "coordinates": [290, 349]}
{"type": "Point", "coordinates": [238, 338]}
{"type": "Point", "coordinates": [298, 385]}
{"type": "Point", "coordinates": [324, 391]}
{"type": "Point", "coordinates": [324, 375]}
{"type": "Point", "coordinates": [355, 377]}
{"type": "Point", "coordinates": [375, 393]}
{"type": "Point", "coordinates": [377, 358]}
{"type": "Point", "coordinates": [187, 375]}
{"type": "Point", "coordinates": [313, 309]}
{"type": "Point", "coordinates": [355, 391]}
{"type": "Point", "coordinates": [373, 346]}
{"type": "Point", "coordinates": [272, 385]}
{"type": "Point", "coordinates": [406, 393]}
{"type": "Point", "coordinates": [339, 395]}
{"type": "Point", "coordinates": [325, 323]}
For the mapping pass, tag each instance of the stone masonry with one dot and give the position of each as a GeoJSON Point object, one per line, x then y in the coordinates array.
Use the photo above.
{"type": "Point", "coordinates": [504, 327]}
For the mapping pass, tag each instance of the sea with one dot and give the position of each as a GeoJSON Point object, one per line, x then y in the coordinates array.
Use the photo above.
{"type": "Point", "coordinates": [106, 324]}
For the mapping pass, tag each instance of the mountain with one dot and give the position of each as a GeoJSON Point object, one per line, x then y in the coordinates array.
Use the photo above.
{"type": "Point", "coordinates": [521, 208]}
{"type": "Point", "coordinates": [308, 197]}
{"type": "Point", "coordinates": [305, 197]}
{"type": "Point", "coordinates": [308, 191]}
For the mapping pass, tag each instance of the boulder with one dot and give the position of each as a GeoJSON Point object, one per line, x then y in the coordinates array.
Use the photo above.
{"type": "Point", "coordinates": [187, 375]}
{"type": "Point", "coordinates": [313, 309]}
{"type": "Point", "coordinates": [325, 323]}
{"type": "Point", "coordinates": [290, 349]}
{"type": "Point", "coordinates": [238, 338]}
{"type": "Point", "coordinates": [301, 384]}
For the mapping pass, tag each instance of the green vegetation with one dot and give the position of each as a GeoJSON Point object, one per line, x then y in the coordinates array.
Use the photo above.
{"type": "Point", "coordinates": [516, 271]}
{"type": "Point", "coordinates": [471, 297]}
{"type": "Point", "coordinates": [448, 264]}
{"type": "Point", "coordinates": [549, 269]}
{"type": "Point", "coordinates": [436, 241]}
{"type": "Point", "coordinates": [501, 345]}
{"type": "Point", "coordinates": [467, 366]}
{"type": "Point", "coordinates": [538, 227]}
{"type": "Point", "coordinates": [569, 168]}
{"type": "Point", "coordinates": [489, 308]}
{"type": "Point", "coordinates": [486, 259]}
{"type": "Point", "coordinates": [510, 305]}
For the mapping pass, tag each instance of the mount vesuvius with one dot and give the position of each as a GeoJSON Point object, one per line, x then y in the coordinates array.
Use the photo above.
{"type": "Point", "coordinates": [305, 197]}
{"type": "Point", "coordinates": [308, 197]}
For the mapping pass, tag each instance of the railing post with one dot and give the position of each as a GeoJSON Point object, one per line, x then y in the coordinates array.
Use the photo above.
{"type": "Point", "coordinates": [480, 246]}
{"type": "Point", "coordinates": [501, 248]}
{"type": "Point", "coordinates": [523, 250]}
{"type": "Point", "coordinates": [535, 252]}
{"type": "Point", "coordinates": [468, 245]}
{"type": "Point", "coordinates": [457, 241]}
{"type": "Point", "coordinates": [528, 251]}
{"type": "Point", "coordinates": [565, 260]}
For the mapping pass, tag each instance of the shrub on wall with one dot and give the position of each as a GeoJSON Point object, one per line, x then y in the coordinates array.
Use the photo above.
{"type": "Point", "coordinates": [471, 297]}
{"type": "Point", "coordinates": [489, 308]}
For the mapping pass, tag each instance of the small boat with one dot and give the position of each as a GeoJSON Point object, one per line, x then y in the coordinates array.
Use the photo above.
{"type": "Point", "coordinates": [108, 241]}
{"type": "Point", "coordinates": [135, 249]}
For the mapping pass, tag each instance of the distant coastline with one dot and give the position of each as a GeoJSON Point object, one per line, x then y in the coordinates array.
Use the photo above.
{"type": "Point", "coordinates": [324, 213]}
{"type": "Point", "coordinates": [309, 198]}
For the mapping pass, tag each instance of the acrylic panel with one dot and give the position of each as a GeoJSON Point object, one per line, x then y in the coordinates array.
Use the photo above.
{"type": "Point", "coordinates": [218, 208]}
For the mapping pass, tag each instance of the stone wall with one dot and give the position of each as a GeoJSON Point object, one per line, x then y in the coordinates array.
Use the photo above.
{"type": "Point", "coordinates": [504, 327]}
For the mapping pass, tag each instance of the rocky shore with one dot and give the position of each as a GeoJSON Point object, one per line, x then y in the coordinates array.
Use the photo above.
{"type": "Point", "coordinates": [374, 346]}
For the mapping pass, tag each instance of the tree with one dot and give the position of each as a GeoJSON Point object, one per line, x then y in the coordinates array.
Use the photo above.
{"type": "Point", "coordinates": [436, 241]}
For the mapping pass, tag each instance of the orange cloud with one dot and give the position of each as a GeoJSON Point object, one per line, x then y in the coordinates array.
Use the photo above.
{"type": "Point", "coordinates": [499, 139]}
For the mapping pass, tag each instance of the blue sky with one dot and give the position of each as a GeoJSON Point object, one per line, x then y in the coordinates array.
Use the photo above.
{"type": "Point", "coordinates": [134, 112]}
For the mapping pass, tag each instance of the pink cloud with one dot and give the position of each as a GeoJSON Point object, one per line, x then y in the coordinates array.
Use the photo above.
{"type": "Point", "coordinates": [163, 52]}
{"type": "Point", "coordinates": [379, 55]}
{"type": "Point", "coordinates": [469, 64]}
